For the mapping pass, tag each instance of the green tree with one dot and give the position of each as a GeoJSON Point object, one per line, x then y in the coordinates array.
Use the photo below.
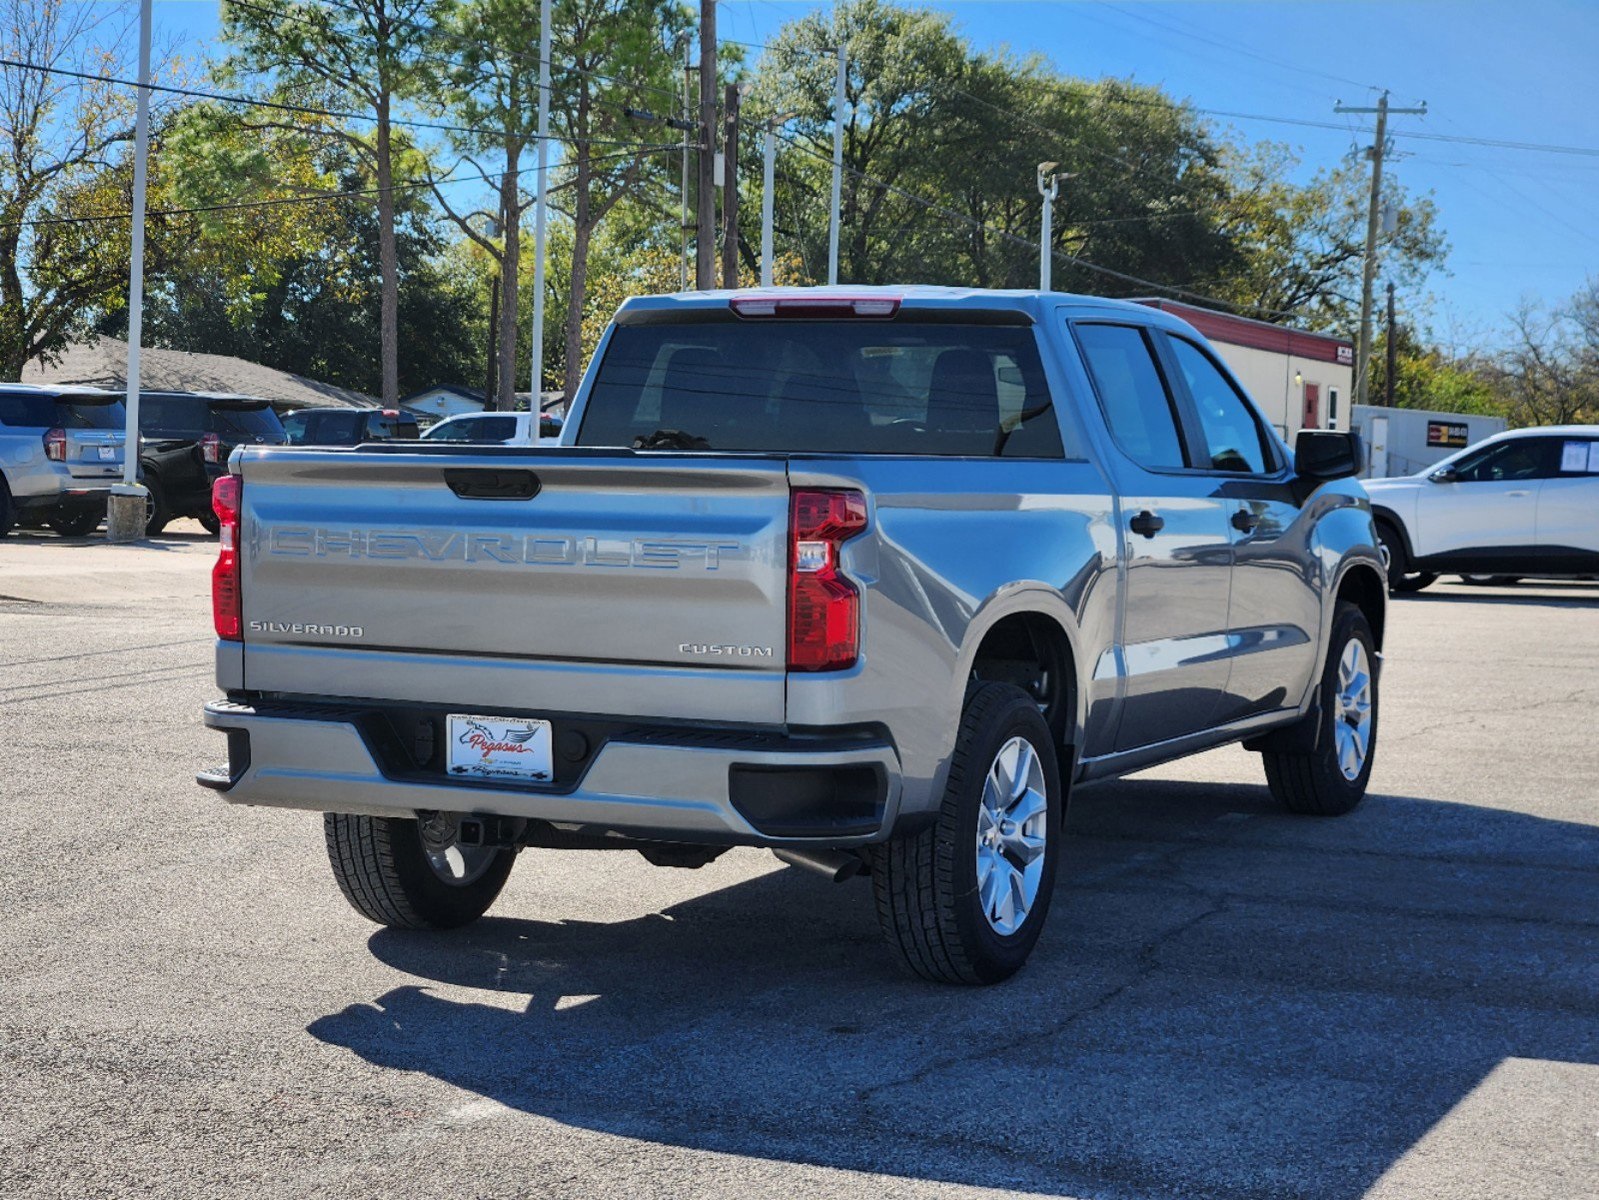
{"type": "Point", "coordinates": [610, 55]}
{"type": "Point", "coordinates": [1303, 245]}
{"type": "Point", "coordinates": [61, 141]}
{"type": "Point", "coordinates": [358, 56]}
{"type": "Point", "coordinates": [485, 68]}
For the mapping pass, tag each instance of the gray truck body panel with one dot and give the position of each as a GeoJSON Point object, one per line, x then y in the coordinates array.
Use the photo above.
{"type": "Point", "coordinates": [650, 586]}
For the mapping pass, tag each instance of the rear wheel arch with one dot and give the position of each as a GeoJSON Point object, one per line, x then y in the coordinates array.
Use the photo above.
{"type": "Point", "coordinates": [1033, 649]}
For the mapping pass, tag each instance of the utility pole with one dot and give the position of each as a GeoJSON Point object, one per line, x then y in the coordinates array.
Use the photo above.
{"type": "Point", "coordinates": [540, 222]}
{"type": "Point", "coordinates": [688, 125]}
{"type": "Point", "coordinates": [1393, 352]}
{"type": "Point", "coordinates": [1368, 274]}
{"type": "Point", "coordinates": [125, 516]}
{"type": "Point", "coordinates": [1048, 188]}
{"type": "Point", "coordinates": [730, 188]}
{"type": "Point", "coordinates": [838, 169]}
{"type": "Point", "coordinates": [705, 233]}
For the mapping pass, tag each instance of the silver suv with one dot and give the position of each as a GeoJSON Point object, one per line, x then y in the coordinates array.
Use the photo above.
{"type": "Point", "coordinates": [61, 449]}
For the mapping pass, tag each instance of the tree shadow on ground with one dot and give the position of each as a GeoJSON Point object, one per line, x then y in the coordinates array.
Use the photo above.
{"type": "Point", "coordinates": [1228, 1002]}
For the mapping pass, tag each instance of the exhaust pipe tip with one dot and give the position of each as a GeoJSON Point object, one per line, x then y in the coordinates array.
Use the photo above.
{"type": "Point", "coordinates": [837, 865]}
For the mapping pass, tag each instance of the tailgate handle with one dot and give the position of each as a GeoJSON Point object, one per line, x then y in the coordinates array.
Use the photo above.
{"type": "Point", "coordinates": [492, 485]}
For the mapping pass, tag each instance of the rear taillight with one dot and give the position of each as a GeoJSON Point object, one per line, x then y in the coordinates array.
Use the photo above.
{"type": "Point", "coordinates": [226, 609]}
{"type": "Point", "coordinates": [211, 448]}
{"type": "Point", "coordinates": [55, 445]}
{"type": "Point", "coordinates": [824, 608]}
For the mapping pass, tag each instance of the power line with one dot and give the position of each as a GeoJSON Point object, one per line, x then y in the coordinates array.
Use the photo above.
{"type": "Point", "coordinates": [307, 198]}
{"type": "Point", "coordinates": [281, 105]}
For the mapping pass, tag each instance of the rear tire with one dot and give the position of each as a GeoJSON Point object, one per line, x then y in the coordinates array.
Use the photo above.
{"type": "Point", "coordinates": [157, 509]}
{"type": "Point", "coordinates": [210, 523]}
{"type": "Point", "coordinates": [76, 524]}
{"type": "Point", "coordinates": [386, 873]}
{"type": "Point", "coordinates": [1331, 780]}
{"type": "Point", "coordinates": [962, 901]}
{"type": "Point", "coordinates": [8, 512]}
{"type": "Point", "coordinates": [1401, 579]}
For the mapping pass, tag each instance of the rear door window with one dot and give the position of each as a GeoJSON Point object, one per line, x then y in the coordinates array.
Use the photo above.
{"type": "Point", "coordinates": [824, 387]}
{"type": "Point", "coordinates": [1132, 394]}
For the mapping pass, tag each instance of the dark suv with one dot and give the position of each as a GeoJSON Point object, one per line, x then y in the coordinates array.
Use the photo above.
{"type": "Point", "coordinates": [349, 426]}
{"type": "Point", "coordinates": [187, 439]}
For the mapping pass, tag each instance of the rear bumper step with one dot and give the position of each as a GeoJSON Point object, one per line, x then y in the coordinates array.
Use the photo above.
{"type": "Point", "coordinates": [693, 784]}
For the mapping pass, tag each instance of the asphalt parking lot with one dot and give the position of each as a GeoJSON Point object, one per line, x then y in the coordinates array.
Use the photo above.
{"type": "Point", "coordinates": [1228, 1002]}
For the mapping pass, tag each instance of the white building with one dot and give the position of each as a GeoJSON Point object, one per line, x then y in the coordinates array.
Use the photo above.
{"type": "Point", "coordinates": [1300, 380]}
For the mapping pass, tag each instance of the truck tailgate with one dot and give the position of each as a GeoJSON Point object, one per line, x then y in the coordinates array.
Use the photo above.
{"type": "Point", "coordinates": [622, 584]}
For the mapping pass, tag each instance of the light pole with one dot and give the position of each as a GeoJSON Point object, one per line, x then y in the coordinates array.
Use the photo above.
{"type": "Point", "coordinates": [125, 516]}
{"type": "Point", "coordinates": [1048, 188]}
{"type": "Point", "coordinates": [540, 221]}
{"type": "Point", "coordinates": [768, 187]}
{"type": "Point", "coordinates": [838, 169]}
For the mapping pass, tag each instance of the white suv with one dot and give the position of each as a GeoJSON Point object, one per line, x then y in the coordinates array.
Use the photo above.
{"type": "Point", "coordinates": [1525, 502]}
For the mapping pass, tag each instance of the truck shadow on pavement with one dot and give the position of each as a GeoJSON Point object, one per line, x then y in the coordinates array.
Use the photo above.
{"type": "Point", "coordinates": [1227, 1002]}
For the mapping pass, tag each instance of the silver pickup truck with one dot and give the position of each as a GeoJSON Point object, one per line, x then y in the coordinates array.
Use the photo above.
{"type": "Point", "coordinates": [873, 579]}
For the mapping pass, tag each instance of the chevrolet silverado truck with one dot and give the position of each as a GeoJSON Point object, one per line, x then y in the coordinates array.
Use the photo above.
{"type": "Point", "coordinates": [873, 579]}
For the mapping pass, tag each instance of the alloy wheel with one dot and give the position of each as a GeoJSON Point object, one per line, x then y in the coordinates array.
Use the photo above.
{"type": "Point", "coordinates": [1012, 826]}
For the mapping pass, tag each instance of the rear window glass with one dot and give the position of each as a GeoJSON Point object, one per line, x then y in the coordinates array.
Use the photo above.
{"type": "Point", "coordinates": [46, 412]}
{"type": "Point", "coordinates": [179, 416]}
{"type": "Point", "coordinates": [835, 387]}
{"type": "Point", "coordinates": [246, 424]}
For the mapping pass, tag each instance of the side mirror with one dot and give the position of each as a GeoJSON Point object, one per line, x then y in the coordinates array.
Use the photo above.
{"type": "Point", "coordinates": [1445, 475]}
{"type": "Point", "coordinates": [1323, 454]}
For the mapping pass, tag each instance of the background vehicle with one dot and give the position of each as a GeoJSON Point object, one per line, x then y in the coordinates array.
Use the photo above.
{"type": "Point", "coordinates": [871, 579]}
{"type": "Point", "coordinates": [488, 428]}
{"type": "Point", "coordinates": [61, 449]}
{"type": "Point", "coordinates": [187, 438]}
{"type": "Point", "coordinates": [1524, 502]}
{"type": "Point", "coordinates": [348, 426]}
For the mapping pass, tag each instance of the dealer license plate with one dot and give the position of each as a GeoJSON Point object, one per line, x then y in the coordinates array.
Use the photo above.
{"type": "Point", "coordinates": [500, 748]}
{"type": "Point", "coordinates": [108, 453]}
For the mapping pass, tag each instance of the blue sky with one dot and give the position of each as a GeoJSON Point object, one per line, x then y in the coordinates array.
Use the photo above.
{"type": "Point", "coordinates": [1519, 222]}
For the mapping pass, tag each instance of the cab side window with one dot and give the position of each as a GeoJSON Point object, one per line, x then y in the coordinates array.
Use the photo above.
{"type": "Point", "coordinates": [1234, 438]}
{"type": "Point", "coordinates": [1132, 394]}
{"type": "Point", "coordinates": [1516, 459]}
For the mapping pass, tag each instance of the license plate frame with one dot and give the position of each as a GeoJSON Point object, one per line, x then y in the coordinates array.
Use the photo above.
{"type": "Point", "coordinates": [513, 749]}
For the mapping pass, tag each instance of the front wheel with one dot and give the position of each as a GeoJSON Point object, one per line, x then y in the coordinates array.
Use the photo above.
{"type": "Point", "coordinates": [1331, 779]}
{"type": "Point", "coordinates": [964, 900]}
{"type": "Point", "coordinates": [413, 874]}
{"type": "Point", "coordinates": [1401, 579]}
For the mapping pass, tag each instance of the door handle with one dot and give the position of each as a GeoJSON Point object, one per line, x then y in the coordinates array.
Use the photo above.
{"type": "Point", "coordinates": [1522, 492]}
{"type": "Point", "coordinates": [1245, 521]}
{"type": "Point", "coordinates": [1147, 523]}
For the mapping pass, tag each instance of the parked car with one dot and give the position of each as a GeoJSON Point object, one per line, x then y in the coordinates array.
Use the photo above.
{"type": "Point", "coordinates": [348, 426]}
{"type": "Point", "coordinates": [187, 437]}
{"type": "Point", "coordinates": [1523, 502]}
{"type": "Point", "coordinates": [492, 427]}
{"type": "Point", "coordinates": [871, 579]}
{"type": "Point", "coordinates": [61, 449]}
